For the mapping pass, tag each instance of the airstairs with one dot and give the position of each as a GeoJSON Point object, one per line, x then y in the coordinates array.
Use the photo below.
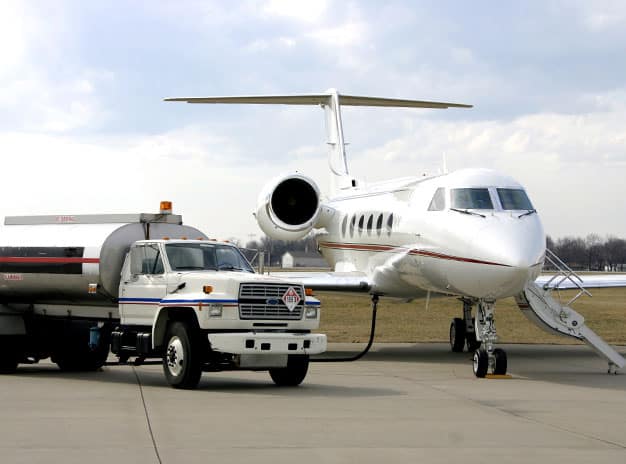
{"type": "Point", "coordinates": [538, 304]}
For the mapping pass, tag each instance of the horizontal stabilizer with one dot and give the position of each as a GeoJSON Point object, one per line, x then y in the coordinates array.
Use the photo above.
{"type": "Point", "coordinates": [321, 99]}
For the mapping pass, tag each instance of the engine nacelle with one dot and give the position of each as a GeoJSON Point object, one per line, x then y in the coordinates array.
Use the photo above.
{"type": "Point", "coordinates": [288, 207]}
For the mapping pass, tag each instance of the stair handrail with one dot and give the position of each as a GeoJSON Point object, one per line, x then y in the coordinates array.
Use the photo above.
{"type": "Point", "coordinates": [564, 272]}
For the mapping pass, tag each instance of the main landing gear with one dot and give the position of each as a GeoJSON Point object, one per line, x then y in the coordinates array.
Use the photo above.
{"type": "Point", "coordinates": [480, 337]}
{"type": "Point", "coordinates": [462, 331]}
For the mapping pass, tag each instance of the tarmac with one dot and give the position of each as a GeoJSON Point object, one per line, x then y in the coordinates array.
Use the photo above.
{"type": "Point", "coordinates": [402, 403]}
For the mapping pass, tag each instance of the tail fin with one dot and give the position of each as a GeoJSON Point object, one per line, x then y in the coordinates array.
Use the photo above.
{"type": "Point", "coordinates": [331, 101]}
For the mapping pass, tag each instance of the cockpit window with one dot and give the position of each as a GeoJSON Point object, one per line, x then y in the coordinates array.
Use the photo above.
{"type": "Point", "coordinates": [471, 198]}
{"type": "Point", "coordinates": [438, 203]}
{"type": "Point", "coordinates": [515, 199]}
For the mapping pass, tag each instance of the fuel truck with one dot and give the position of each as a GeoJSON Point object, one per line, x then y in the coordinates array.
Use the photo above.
{"type": "Point", "coordinates": [147, 289]}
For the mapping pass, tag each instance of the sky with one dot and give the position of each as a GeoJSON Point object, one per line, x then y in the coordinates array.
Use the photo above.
{"type": "Point", "coordinates": [84, 129]}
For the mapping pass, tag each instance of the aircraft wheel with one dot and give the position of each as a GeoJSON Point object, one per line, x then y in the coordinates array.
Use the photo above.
{"type": "Point", "coordinates": [182, 360]}
{"type": "Point", "coordinates": [472, 343]}
{"type": "Point", "coordinates": [500, 364]}
{"type": "Point", "coordinates": [293, 374]}
{"type": "Point", "coordinates": [457, 335]}
{"type": "Point", "coordinates": [481, 363]}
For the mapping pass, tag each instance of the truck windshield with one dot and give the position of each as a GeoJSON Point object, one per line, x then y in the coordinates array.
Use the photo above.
{"type": "Point", "coordinates": [205, 256]}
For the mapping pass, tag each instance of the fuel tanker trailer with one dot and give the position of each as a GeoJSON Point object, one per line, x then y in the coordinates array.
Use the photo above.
{"type": "Point", "coordinates": [146, 288]}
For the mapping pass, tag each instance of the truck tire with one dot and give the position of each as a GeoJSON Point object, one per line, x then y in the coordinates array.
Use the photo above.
{"type": "Point", "coordinates": [80, 358]}
{"type": "Point", "coordinates": [293, 374]}
{"type": "Point", "coordinates": [9, 357]}
{"type": "Point", "coordinates": [182, 360]}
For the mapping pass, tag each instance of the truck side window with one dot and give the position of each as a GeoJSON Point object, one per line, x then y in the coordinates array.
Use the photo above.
{"type": "Point", "coordinates": [146, 259]}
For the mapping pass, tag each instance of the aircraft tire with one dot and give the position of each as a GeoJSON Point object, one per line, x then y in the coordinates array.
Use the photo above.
{"type": "Point", "coordinates": [293, 374]}
{"type": "Point", "coordinates": [182, 360]}
{"type": "Point", "coordinates": [500, 364]}
{"type": "Point", "coordinates": [457, 335]}
{"type": "Point", "coordinates": [481, 363]}
{"type": "Point", "coordinates": [470, 337]}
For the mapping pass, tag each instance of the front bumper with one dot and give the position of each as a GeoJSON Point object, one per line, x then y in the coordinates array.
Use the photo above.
{"type": "Point", "coordinates": [261, 343]}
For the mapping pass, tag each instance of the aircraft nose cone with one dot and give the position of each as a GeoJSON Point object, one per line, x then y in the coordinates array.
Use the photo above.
{"type": "Point", "coordinates": [518, 245]}
{"type": "Point", "coordinates": [511, 251]}
{"type": "Point", "coordinates": [515, 242]}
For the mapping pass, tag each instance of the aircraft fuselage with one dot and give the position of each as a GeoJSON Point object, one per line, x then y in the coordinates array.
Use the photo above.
{"type": "Point", "coordinates": [410, 243]}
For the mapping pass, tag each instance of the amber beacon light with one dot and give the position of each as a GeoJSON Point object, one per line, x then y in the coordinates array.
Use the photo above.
{"type": "Point", "coordinates": [166, 207]}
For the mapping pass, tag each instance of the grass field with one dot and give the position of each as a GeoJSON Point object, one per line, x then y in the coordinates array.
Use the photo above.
{"type": "Point", "coordinates": [346, 318]}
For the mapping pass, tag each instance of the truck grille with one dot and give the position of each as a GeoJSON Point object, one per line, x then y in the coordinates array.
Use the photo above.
{"type": "Point", "coordinates": [264, 301]}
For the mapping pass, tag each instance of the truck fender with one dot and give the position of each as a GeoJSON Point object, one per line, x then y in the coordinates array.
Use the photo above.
{"type": "Point", "coordinates": [167, 314]}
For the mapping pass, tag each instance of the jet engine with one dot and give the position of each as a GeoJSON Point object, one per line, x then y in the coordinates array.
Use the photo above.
{"type": "Point", "coordinates": [288, 207]}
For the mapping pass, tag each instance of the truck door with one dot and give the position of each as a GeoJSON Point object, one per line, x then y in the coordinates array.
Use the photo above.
{"type": "Point", "coordinates": [144, 287]}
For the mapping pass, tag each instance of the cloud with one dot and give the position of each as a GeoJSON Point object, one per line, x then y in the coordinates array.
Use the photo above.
{"type": "Point", "coordinates": [348, 34]}
{"type": "Point", "coordinates": [300, 11]}
{"type": "Point", "coordinates": [33, 95]}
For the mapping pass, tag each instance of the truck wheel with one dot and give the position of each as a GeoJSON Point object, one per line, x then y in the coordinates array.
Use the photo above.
{"type": "Point", "coordinates": [9, 357]}
{"type": "Point", "coordinates": [293, 374]}
{"type": "Point", "coordinates": [8, 362]}
{"type": "Point", "coordinates": [73, 353]}
{"type": "Point", "coordinates": [182, 360]}
{"type": "Point", "coordinates": [77, 358]}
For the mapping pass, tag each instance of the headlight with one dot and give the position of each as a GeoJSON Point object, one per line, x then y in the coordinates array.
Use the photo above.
{"type": "Point", "coordinates": [310, 313]}
{"type": "Point", "coordinates": [215, 310]}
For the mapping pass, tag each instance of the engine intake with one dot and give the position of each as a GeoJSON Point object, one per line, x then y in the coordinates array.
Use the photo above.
{"type": "Point", "coordinates": [288, 207]}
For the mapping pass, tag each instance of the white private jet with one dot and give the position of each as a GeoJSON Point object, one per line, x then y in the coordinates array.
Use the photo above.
{"type": "Point", "coordinates": [473, 233]}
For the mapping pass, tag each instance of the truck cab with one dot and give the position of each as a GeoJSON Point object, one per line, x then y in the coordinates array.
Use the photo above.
{"type": "Point", "coordinates": [199, 305]}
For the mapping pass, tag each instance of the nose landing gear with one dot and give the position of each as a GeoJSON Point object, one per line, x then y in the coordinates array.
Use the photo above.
{"type": "Point", "coordinates": [479, 336]}
{"type": "Point", "coordinates": [488, 356]}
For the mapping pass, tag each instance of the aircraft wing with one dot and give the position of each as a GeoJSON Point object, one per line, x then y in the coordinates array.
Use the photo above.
{"type": "Point", "coordinates": [359, 282]}
{"type": "Point", "coordinates": [330, 281]}
{"type": "Point", "coordinates": [586, 281]}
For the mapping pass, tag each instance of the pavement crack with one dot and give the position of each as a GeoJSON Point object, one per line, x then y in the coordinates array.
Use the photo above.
{"type": "Point", "coordinates": [145, 410]}
{"type": "Point", "coordinates": [556, 427]}
{"type": "Point", "coordinates": [519, 415]}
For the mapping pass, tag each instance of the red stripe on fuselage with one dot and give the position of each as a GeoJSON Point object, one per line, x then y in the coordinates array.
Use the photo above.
{"type": "Point", "coordinates": [415, 252]}
{"type": "Point", "coordinates": [19, 259]}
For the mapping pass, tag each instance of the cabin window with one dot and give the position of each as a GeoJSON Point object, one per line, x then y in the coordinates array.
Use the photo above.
{"type": "Point", "coordinates": [361, 222]}
{"type": "Point", "coordinates": [344, 225]}
{"type": "Point", "coordinates": [146, 259]}
{"type": "Point", "coordinates": [389, 224]}
{"type": "Point", "coordinates": [370, 224]}
{"type": "Point", "coordinates": [379, 225]}
{"type": "Point", "coordinates": [352, 223]}
{"type": "Point", "coordinates": [471, 198]}
{"type": "Point", "coordinates": [515, 199]}
{"type": "Point", "coordinates": [438, 203]}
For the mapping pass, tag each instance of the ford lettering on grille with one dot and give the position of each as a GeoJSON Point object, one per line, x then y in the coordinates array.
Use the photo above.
{"type": "Point", "coordinates": [266, 301]}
